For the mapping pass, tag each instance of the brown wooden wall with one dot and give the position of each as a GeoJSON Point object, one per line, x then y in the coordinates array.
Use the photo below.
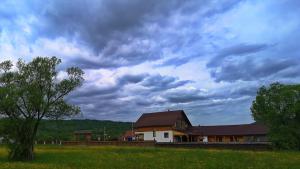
{"type": "Point", "coordinates": [226, 139]}
{"type": "Point", "coordinates": [144, 129]}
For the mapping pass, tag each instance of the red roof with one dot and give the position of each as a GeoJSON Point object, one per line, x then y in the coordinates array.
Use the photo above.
{"type": "Point", "coordinates": [167, 118]}
{"type": "Point", "coordinates": [242, 129]}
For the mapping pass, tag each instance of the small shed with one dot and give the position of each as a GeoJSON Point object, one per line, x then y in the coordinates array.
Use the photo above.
{"type": "Point", "coordinates": [86, 135]}
{"type": "Point", "coordinates": [128, 136]}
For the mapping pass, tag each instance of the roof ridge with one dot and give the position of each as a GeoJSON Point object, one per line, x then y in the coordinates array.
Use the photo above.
{"type": "Point", "coordinates": [226, 125]}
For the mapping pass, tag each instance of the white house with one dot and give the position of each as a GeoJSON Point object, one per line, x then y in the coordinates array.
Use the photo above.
{"type": "Point", "coordinates": [169, 126]}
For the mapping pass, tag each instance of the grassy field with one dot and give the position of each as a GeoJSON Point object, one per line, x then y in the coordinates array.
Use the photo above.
{"type": "Point", "coordinates": [51, 157]}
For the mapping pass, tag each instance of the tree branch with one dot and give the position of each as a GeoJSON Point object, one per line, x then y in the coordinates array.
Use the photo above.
{"type": "Point", "coordinates": [21, 111]}
{"type": "Point", "coordinates": [25, 105]}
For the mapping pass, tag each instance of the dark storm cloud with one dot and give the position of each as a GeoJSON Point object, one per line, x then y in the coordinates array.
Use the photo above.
{"type": "Point", "coordinates": [116, 30]}
{"type": "Point", "coordinates": [113, 99]}
{"type": "Point", "coordinates": [249, 70]}
{"type": "Point", "coordinates": [135, 54]}
{"type": "Point", "coordinates": [195, 95]}
{"type": "Point", "coordinates": [151, 83]}
{"type": "Point", "coordinates": [99, 20]}
{"type": "Point", "coordinates": [132, 78]}
{"type": "Point", "coordinates": [223, 7]}
{"type": "Point", "coordinates": [248, 90]}
{"type": "Point", "coordinates": [185, 96]}
{"type": "Point", "coordinates": [237, 50]}
{"type": "Point", "coordinates": [105, 26]}
{"type": "Point", "coordinates": [291, 73]}
{"type": "Point", "coordinates": [175, 62]}
{"type": "Point", "coordinates": [86, 63]}
{"type": "Point", "coordinates": [88, 90]}
{"type": "Point", "coordinates": [159, 83]}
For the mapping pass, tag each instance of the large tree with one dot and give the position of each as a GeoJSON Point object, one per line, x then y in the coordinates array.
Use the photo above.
{"type": "Point", "coordinates": [30, 92]}
{"type": "Point", "coordinates": [278, 106]}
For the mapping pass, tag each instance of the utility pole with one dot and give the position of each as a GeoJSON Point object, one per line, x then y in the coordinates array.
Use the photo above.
{"type": "Point", "coordinates": [132, 134]}
{"type": "Point", "coordinates": [104, 133]}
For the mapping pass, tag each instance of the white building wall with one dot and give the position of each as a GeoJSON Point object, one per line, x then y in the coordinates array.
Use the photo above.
{"type": "Point", "coordinates": [205, 139]}
{"type": "Point", "coordinates": [148, 136]}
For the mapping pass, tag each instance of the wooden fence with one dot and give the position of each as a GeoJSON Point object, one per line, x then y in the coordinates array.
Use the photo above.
{"type": "Point", "coordinates": [235, 146]}
{"type": "Point", "coordinates": [111, 143]}
{"type": "Point", "coordinates": [239, 146]}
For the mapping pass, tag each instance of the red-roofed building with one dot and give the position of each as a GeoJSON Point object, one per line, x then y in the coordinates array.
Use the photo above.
{"type": "Point", "coordinates": [128, 135]}
{"type": "Point", "coordinates": [229, 133]}
{"type": "Point", "coordinates": [174, 126]}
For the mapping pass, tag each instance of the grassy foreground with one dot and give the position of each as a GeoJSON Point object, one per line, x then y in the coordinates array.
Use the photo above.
{"type": "Point", "coordinates": [60, 157]}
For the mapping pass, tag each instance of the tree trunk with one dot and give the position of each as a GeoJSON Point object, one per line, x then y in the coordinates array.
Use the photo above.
{"type": "Point", "coordinates": [22, 146]}
{"type": "Point", "coordinates": [22, 152]}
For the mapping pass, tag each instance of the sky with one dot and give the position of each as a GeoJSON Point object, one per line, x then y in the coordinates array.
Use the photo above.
{"type": "Point", "coordinates": [207, 57]}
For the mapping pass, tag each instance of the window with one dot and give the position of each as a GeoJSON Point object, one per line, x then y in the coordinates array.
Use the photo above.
{"type": "Point", "coordinates": [154, 133]}
{"type": "Point", "coordinates": [166, 135]}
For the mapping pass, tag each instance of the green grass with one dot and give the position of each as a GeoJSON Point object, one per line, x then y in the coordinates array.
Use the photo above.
{"type": "Point", "coordinates": [81, 157]}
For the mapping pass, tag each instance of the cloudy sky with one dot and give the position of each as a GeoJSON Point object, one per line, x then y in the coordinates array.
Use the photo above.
{"type": "Point", "coordinates": [207, 57]}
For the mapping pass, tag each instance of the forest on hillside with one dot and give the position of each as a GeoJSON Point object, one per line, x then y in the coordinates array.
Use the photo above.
{"type": "Point", "coordinates": [54, 130]}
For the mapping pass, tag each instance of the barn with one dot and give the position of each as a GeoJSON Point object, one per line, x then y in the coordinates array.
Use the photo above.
{"type": "Point", "coordinates": [229, 133]}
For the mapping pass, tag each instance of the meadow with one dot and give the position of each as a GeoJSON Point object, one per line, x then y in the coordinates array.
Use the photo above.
{"type": "Point", "coordinates": [82, 157]}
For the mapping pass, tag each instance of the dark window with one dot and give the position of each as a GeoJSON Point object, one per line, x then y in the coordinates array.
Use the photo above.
{"type": "Point", "coordinates": [231, 138]}
{"type": "Point", "coordinates": [154, 134]}
{"type": "Point", "coordinates": [219, 139]}
{"type": "Point", "coordinates": [166, 135]}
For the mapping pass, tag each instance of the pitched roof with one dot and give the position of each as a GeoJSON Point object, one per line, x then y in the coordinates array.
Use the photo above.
{"type": "Point", "coordinates": [166, 118]}
{"type": "Point", "coordinates": [242, 129]}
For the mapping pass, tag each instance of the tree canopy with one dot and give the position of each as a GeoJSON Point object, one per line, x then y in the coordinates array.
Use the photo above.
{"type": "Point", "coordinates": [278, 106]}
{"type": "Point", "coordinates": [30, 92]}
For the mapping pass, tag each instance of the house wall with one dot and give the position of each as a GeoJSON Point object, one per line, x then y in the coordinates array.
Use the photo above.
{"type": "Point", "coordinates": [159, 136]}
{"type": "Point", "coordinates": [144, 129]}
{"type": "Point", "coordinates": [256, 138]}
{"type": "Point", "coordinates": [205, 139]}
{"type": "Point", "coordinates": [226, 139]}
